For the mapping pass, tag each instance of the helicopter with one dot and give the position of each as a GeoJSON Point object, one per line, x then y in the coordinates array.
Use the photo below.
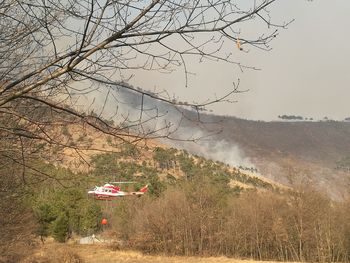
{"type": "Point", "coordinates": [112, 190]}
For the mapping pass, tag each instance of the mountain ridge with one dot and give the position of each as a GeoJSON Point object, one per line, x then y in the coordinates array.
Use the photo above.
{"type": "Point", "coordinates": [285, 151]}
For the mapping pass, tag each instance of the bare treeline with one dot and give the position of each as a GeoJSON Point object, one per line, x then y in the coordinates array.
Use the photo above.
{"type": "Point", "coordinates": [201, 219]}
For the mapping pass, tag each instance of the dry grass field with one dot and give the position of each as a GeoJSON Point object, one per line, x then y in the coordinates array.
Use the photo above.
{"type": "Point", "coordinates": [64, 253]}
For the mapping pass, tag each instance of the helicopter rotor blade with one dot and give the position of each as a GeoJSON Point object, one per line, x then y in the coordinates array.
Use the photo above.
{"type": "Point", "coordinates": [120, 182]}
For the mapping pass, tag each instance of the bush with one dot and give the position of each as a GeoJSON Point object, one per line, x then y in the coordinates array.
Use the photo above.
{"type": "Point", "coordinates": [60, 228]}
{"type": "Point", "coordinates": [45, 215]}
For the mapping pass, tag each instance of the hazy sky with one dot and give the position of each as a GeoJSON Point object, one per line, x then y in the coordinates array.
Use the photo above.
{"type": "Point", "coordinates": [307, 73]}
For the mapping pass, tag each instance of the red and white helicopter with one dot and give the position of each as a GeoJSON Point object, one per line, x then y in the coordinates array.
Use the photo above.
{"type": "Point", "coordinates": [111, 191]}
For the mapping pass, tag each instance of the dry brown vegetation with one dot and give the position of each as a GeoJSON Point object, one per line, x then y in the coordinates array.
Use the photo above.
{"type": "Point", "coordinates": [64, 253]}
{"type": "Point", "coordinates": [199, 220]}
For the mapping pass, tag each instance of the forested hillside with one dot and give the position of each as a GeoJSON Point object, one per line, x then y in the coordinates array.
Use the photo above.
{"type": "Point", "coordinates": [284, 151]}
{"type": "Point", "coordinates": [195, 207]}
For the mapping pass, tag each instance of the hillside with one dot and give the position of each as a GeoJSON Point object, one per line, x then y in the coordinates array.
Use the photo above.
{"type": "Point", "coordinates": [89, 151]}
{"type": "Point", "coordinates": [287, 152]}
{"type": "Point", "coordinates": [195, 206]}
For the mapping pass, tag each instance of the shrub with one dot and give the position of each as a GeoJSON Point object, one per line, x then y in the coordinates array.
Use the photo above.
{"type": "Point", "coordinates": [60, 228]}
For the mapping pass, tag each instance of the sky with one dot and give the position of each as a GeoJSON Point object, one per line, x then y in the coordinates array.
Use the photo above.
{"type": "Point", "coordinates": [306, 73]}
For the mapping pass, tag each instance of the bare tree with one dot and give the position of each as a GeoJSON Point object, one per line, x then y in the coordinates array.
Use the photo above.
{"type": "Point", "coordinates": [55, 55]}
{"type": "Point", "coordinates": [48, 48]}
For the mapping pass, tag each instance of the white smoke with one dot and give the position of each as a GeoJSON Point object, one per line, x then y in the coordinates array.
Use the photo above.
{"type": "Point", "coordinates": [213, 148]}
{"type": "Point", "coordinates": [226, 152]}
{"type": "Point", "coordinates": [182, 125]}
